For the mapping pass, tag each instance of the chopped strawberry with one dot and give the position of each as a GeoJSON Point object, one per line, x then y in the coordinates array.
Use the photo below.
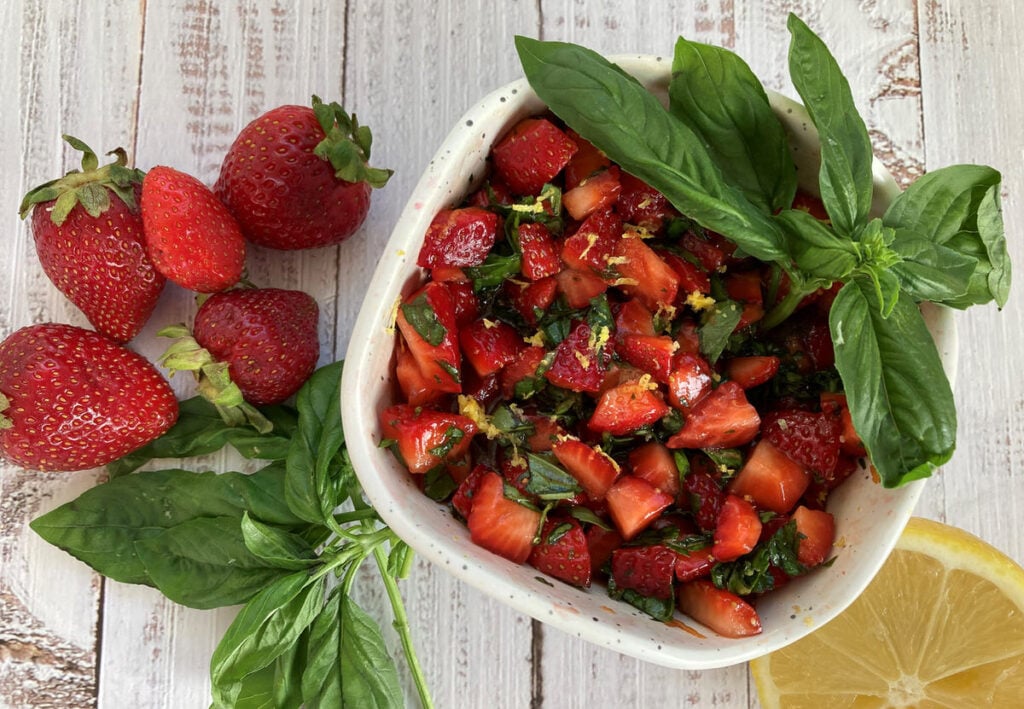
{"type": "Point", "coordinates": [688, 337]}
{"type": "Point", "coordinates": [417, 389]}
{"type": "Point", "coordinates": [426, 320]}
{"type": "Point", "coordinates": [706, 498]}
{"type": "Point", "coordinates": [641, 204]}
{"type": "Point", "coordinates": [489, 345]}
{"type": "Point", "coordinates": [531, 300]}
{"type": "Point", "coordinates": [737, 530]}
{"type": "Point", "coordinates": [493, 192]}
{"type": "Point", "coordinates": [587, 161]}
{"type": "Point", "coordinates": [462, 500]}
{"type": "Point", "coordinates": [711, 256]}
{"type": "Point", "coordinates": [633, 318]}
{"type": "Point", "coordinates": [532, 153]}
{"type": "Point", "coordinates": [695, 564]}
{"type": "Point", "coordinates": [692, 278]}
{"type": "Point", "coordinates": [850, 442]}
{"type": "Point", "coordinates": [723, 419]}
{"type": "Point", "coordinates": [625, 408]}
{"type": "Point", "coordinates": [464, 301]}
{"type": "Point", "coordinates": [545, 432]}
{"type": "Point", "coordinates": [499, 524]}
{"type": "Point", "coordinates": [650, 570]}
{"type": "Point", "coordinates": [459, 237]}
{"type": "Point", "coordinates": [643, 274]}
{"type": "Point", "coordinates": [540, 255]}
{"type": "Point", "coordinates": [634, 503]}
{"type": "Point", "coordinates": [817, 529]}
{"type": "Point", "coordinates": [810, 438]}
{"type": "Point", "coordinates": [593, 469]}
{"type": "Point", "coordinates": [601, 542]}
{"type": "Point", "coordinates": [426, 438]}
{"type": "Point", "coordinates": [579, 286]}
{"type": "Point", "coordinates": [722, 611]}
{"type": "Point", "coordinates": [594, 242]}
{"type": "Point", "coordinates": [563, 552]}
{"type": "Point", "coordinates": [580, 363]}
{"type": "Point", "coordinates": [689, 382]}
{"type": "Point", "coordinates": [655, 463]}
{"type": "Point", "coordinates": [750, 372]}
{"type": "Point", "coordinates": [594, 193]}
{"type": "Point", "coordinates": [484, 389]}
{"type": "Point", "coordinates": [770, 479]}
{"type": "Point", "coordinates": [516, 472]}
{"type": "Point", "coordinates": [745, 288]}
{"type": "Point", "coordinates": [523, 366]}
{"type": "Point", "coordinates": [651, 353]}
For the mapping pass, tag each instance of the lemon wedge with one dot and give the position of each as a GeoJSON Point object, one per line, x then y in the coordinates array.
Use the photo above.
{"type": "Point", "coordinates": [941, 625]}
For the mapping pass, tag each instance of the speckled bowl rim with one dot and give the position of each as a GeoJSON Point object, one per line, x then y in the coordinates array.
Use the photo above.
{"type": "Point", "coordinates": [869, 519]}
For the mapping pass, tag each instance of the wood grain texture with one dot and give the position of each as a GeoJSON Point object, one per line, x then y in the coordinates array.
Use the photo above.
{"type": "Point", "coordinates": [938, 82]}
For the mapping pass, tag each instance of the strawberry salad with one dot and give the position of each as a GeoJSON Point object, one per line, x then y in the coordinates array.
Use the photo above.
{"type": "Point", "coordinates": [586, 378]}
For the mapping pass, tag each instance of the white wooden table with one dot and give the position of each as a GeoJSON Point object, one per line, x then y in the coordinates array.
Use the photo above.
{"type": "Point", "coordinates": [939, 82]}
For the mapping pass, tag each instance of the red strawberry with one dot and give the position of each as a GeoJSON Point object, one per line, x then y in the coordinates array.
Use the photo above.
{"type": "Point", "coordinates": [723, 611]}
{"type": "Point", "coordinates": [458, 237]}
{"type": "Point", "coordinates": [633, 318]}
{"type": "Point", "coordinates": [641, 204]}
{"type": "Point", "coordinates": [499, 524]}
{"type": "Point", "coordinates": [531, 300]}
{"type": "Point", "coordinates": [579, 363]}
{"type": "Point", "coordinates": [651, 353]}
{"type": "Point", "coordinates": [723, 419]}
{"type": "Point", "coordinates": [770, 479]}
{"type": "Point", "coordinates": [594, 470]}
{"type": "Point", "coordinates": [695, 564]}
{"type": "Point", "coordinates": [427, 321]}
{"type": "Point", "coordinates": [654, 463]}
{"type": "Point", "coordinates": [706, 498]}
{"type": "Point", "coordinates": [634, 503]}
{"type": "Point", "coordinates": [594, 242]}
{"type": "Point", "coordinates": [540, 255]}
{"type": "Point", "coordinates": [297, 177]}
{"type": "Point", "coordinates": [417, 389]}
{"type": "Point", "coordinates": [737, 530]}
{"type": "Point", "coordinates": [191, 237]}
{"type": "Point", "coordinates": [530, 154]}
{"type": "Point", "coordinates": [88, 235]}
{"type": "Point", "coordinates": [462, 500]}
{"type": "Point", "coordinates": [808, 437]}
{"type": "Point", "coordinates": [689, 382]}
{"type": "Point", "coordinates": [750, 372]}
{"type": "Point", "coordinates": [692, 278]}
{"type": "Point", "coordinates": [625, 408]}
{"type": "Point", "coordinates": [523, 366]}
{"type": "Point", "coordinates": [594, 193]}
{"type": "Point", "coordinates": [650, 570]}
{"type": "Point", "coordinates": [72, 399]}
{"type": "Point", "coordinates": [563, 552]}
{"type": "Point", "coordinates": [850, 442]}
{"type": "Point", "coordinates": [817, 530]}
{"type": "Point", "coordinates": [601, 543]}
{"type": "Point", "coordinates": [586, 161]}
{"type": "Point", "coordinates": [489, 345]}
{"type": "Point", "coordinates": [579, 286]}
{"type": "Point", "coordinates": [643, 274]}
{"type": "Point", "coordinates": [426, 438]}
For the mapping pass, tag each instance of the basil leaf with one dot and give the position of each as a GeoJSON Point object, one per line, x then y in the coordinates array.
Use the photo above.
{"type": "Point", "coordinates": [276, 686]}
{"type": "Point", "coordinates": [200, 430]}
{"type": "Point", "coordinates": [549, 481]}
{"type": "Point", "coordinates": [845, 179]}
{"type": "Point", "coordinates": [718, 325]}
{"type": "Point", "coordinates": [899, 397]}
{"type": "Point", "coordinates": [751, 573]}
{"type": "Point", "coordinates": [369, 676]}
{"type": "Point", "coordinates": [101, 526]}
{"type": "Point", "coordinates": [931, 271]}
{"type": "Point", "coordinates": [267, 627]}
{"type": "Point", "coordinates": [424, 320]}
{"type": "Point", "coordinates": [276, 546]}
{"type": "Point", "coordinates": [495, 270]}
{"type": "Point", "coordinates": [204, 563]}
{"type": "Point", "coordinates": [715, 93]}
{"type": "Point", "coordinates": [958, 207]}
{"type": "Point", "coordinates": [321, 680]}
{"type": "Point", "coordinates": [628, 123]}
{"type": "Point", "coordinates": [817, 251]}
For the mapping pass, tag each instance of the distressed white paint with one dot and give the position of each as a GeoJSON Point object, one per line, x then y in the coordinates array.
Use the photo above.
{"type": "Point", "coordinates": [938, 82]}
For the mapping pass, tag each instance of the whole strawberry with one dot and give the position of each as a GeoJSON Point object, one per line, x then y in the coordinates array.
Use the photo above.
{"type": "Point", "coordinates": [88, 235]}
{"type": "Point", "coordinates": [249, 347]}
{"type": "Point", "coordinates": [72, 399]}
{"type": "Point", "coordinates": [191, 237]}
{"type": "Point", "coordinates": [297, 177]}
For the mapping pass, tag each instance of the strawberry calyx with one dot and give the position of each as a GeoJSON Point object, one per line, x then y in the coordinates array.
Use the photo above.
{"type": "Point", "coordinates": [346, 145]}
{"type": "Point", "coordinates": [90, 186]}
{"type": "Point", "coordinates": [213, 380]}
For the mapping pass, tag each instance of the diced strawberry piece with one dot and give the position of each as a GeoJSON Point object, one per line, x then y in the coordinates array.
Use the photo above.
{"type": "Point", "coordinates": [706, 498]}
{"type": "Point", "coordinates": [484, 389]}
{"type": "Point", "coordinates": [810, 438]}
{"type": "Point", "coordinates": [462, 500]}
{"type": "Point", "coordinates": [594, 242]}
{"type": "Point", "coordinates": [499, 524]}
{"type": "Point", "coordinates": [523, 366]}
{"type": "Point", "coordinates": [587, 161]}
{"type": "Point", "coordinates": [655, 463]}
{"type": "Point", "coordinates": [563, 552]}
{"type": "Point", "coordinates": [695, 564]}
{"type": "Point", "coordinates": [540, 255]}
{"type": "Point", "coordinates": [593, 469]}
{"type": "Point", "coordinates": [545, 433]}
{"type": "Point", "coordinates": [625, 408]}
{"type": "Point", "coordinates": [530, 154]}
{"type": "Point", "coordinates": [579, 287]}
{"type": "Point", "coordinates": [601, 542]}
{"type": "Point", "coordinates": [724, 419]}
{"type": "Point", "coordinates": [464, 300]}
{"type": "Point", "coordinates": [427, 322]}
{"type": "Point", "coordinates": [449, 274]}
{"type": "Point", "coordinates": [816, 496]}
{"type": "Point", "coordinates": [531, 300]}
{"type": "Point", "coordinates": [688, 337]}
{"type": "Point", "coordinates": [692, 278]}
{"type": "Point", "coordinates": [650, 570]}
{"type": "Point", "coordinates": [770, 479]}
{"type": "Point", "coordinates": [634, 503]}
{"type": "Point", "coordinates": [459, 237]}
{"type": "Point", "coordinates": [489, 345]}
{"type": "Point", "coordinates": [416, 388]}
{"type": "Point", "coordinates": [818, 531]}
{"type": "Point", "coordinates": [737, 530]}
{"type": "Point", "coordinates": [745, 288]}
{"type": "Point", "coordinates": [594, 193]}
{"type": "Point", "coordinates": [516, 472]}
{"type": "Point", "coordinates": [722, 611]}
{"type": "Point", "coordinates": [689, 382]}
{"type": "Point", "coordinates": [710, 255]}
{"type": "Point", "coordinates": [492, 193]}
{"type": "Point", "coordinates": [633, 318]}
{"type": "Point", "coordinates": [807, 202]}
{"type": "Point", "coordinates": [460, 469]}
{"type": "Point", "coordinates": [750, 372]}
{"type": "Point", "coordinates": [641, 204]}
{"type": "Point", "coordinates": [850, 442]}
{"type": "Point", "coordinates": [642, 274]}
{"type": "Point", "coordinates": [426, 438]}
{"type": "Point", "coordinates": [651, 353]}
{"type": "Point", "coordinates": [579, 363]}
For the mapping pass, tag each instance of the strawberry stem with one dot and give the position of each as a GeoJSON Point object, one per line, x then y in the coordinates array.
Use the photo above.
{"type": "Point", "coordinates": [346, 145]}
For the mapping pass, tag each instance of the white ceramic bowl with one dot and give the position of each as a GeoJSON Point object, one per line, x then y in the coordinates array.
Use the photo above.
{"type": "Point", "coordinates": [868, 518]}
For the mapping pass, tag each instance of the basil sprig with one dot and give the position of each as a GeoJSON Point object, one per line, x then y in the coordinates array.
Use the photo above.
{"type": "Point", "coordinates": [719, 155]}
{"type": "Point", "coordinates": [270, 540]}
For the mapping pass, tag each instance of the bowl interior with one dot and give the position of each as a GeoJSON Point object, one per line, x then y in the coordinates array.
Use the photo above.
{"type": "Point", "coordinates": [868, 518]}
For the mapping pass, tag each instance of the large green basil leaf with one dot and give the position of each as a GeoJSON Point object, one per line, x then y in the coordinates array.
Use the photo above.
{"type": "Point", "coordinates": [899, 397]}
{"type": "Point", "coordinates": [321, 679]}
{"type": "Point", "coordinates": [958, 207]}
{"type": "Point", "coordinates": [276, 546]}
{"type": "Point", "coordinates": [369, 676]}
{"type": "Point", "coordinates": [101, 526]}
{"type": "Point", "coordinates": [931, 271]}
{"type": "Point", "coordinates": [618, 115]}
{"type": "Point", "coordinates": [276, 686]}
{"type": "Point", "coordinates": [816, 250]}
{"type": "Point", "coordinates": [204, 563]}
{"type": "Point", "coordinates": [715, 93]}
{"type": "Point", "coordinates": [845, 179]}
